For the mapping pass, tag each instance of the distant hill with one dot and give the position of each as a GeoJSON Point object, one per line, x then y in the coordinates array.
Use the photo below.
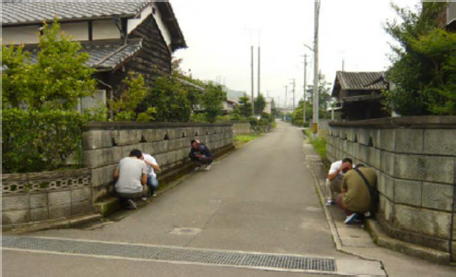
{"type": "Point", "coordinates": [233, 95]}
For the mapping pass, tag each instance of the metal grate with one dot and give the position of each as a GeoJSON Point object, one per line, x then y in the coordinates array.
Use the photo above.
{"type": "Point", "coordinates": [215, 257]}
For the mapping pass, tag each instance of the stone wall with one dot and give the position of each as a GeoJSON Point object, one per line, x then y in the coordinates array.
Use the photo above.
{"type": "Point", "coordinates": [415, 158]}
{"type": "Point", "coordinates": [241, 128]}
{"type": "Point", "coordinates": [35, 197]}
{"type": "Point", "coordinates": [105, 144]}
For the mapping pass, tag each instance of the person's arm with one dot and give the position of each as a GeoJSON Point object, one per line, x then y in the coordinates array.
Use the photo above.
{"type": "Point", "coordinates": [332, 176]}
{"type": "Point", "coordinates": [116, 173]}
{"type": "Point", "coordinates": [144, 179]}
{"type": "Point", "coordinates": [153, 165]}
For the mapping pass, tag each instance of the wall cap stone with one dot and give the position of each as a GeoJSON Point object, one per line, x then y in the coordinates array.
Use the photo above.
{"type": "Point", "coordinates": [95, 125]}
{"type": "Point", "coordinates": [412, 122]}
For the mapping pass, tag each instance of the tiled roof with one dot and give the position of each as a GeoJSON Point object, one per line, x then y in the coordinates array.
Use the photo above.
{"type": "Point", "coordinates": [103, 56]}
{"type": "Point", "coordinates": [361, 80]}
{"type": "Point", "coordinates": [19, 12]}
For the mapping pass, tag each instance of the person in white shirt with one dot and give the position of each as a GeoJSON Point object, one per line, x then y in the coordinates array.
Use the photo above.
{"type": "Point", "coordinates": [152, 166]}
{"type": "Point", "coordinates": [334, 179]}
{"type": "Point", "coordinates": [131, 175]}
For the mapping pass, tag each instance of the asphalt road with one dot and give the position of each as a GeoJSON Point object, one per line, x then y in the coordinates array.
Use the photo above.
{"type": "Point", "coordinates": [261, 198]}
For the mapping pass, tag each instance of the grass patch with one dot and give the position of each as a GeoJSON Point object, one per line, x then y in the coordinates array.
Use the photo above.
{"type": "Point", "coordinates": [243, 139]}
{"type": "Point", "coordinates": [319, 144]}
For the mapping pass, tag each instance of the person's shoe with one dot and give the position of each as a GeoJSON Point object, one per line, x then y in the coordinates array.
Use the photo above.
{"type": "Point", "coordinates": [330, 202]}
{"type": "Point", "coordinates": [208, 167]}
{"type": "Point", "coordinates": [351, 218]}
{"type": "Point", "coordinates": [197, 168]}
{"type": "Point", "coordinates": [144, 198]}
{"type": "Point", "coordinates": [132, 204]}
{"type": "Point", "coordinates": [367, 215]}
{"type": "Point", "coordinates": [154, 194]}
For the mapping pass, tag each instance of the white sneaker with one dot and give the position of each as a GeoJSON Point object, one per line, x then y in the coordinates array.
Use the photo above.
{"type": "Point", "coordinates": [154, 195]}
{"type": "Point", "coordinates": [330, 202]}
{"type": "Point", "coordinates": [144, 198]}
{"type": "Point", "coordinates": [208, 167]}
{"type": "Point", "coordinates": [197, 168]}
{"type": "Point", "coordinates": [132, 204]}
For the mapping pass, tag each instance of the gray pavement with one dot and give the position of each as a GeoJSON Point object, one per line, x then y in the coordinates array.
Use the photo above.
{"type": "Point", "coordinates": [261, 198]}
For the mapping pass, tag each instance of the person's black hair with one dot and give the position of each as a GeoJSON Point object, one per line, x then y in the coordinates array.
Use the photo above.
{"type": "Point", "coordinates": [347, 160]}
{"type": "Point", "coordinates": [193, 140]}
{"type": "Point", "coordinates": [360, 165]}
{"type": "Point", "coordinates": [136, 153]}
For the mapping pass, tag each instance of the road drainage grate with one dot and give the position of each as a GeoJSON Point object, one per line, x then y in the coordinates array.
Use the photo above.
{"type": "Point", "coordinates": [175, 254]}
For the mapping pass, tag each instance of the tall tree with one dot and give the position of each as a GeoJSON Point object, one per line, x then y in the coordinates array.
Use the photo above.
{"type": "Point", "coordinates": [424, 63]}
{"type": "Point", "coordinates": [58, 78]}
{"type": "Point", "coordinates": [245, 106]}
{"type": "Point", "coordinates": [212, 101]}
{"type": "Point", "coordinates": [260, 104]}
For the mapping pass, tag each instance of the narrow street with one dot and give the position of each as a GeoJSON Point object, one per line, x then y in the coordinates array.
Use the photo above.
{"type": "Point", "coordinates": [259, 199]}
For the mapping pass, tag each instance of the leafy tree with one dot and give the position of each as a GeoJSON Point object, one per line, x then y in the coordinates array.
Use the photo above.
{"type": "Point", "coordinates": [56, 81]}
{"type": "Point", "coordinates": [169, 97]}
{"type": "Point", "coordinates": [245, 106]}
{"type": "Point", "coordinates": [423, 70]}
{"type": "Point", "coordinates": [324, 96]}
{"type": "Point", "coordinates": [212, 101]}
{"type": "Point", "coordinates": [133, 94]}
{"type": "Point", "coordinates": [259, 104]}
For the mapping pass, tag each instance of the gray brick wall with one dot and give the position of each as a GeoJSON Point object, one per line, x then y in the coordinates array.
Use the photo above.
{"type": "Point", "coordinates": [415, 159]}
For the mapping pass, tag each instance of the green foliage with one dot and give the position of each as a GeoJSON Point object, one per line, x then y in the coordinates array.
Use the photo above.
{"type": "Point", "coordinates": [259, 104]}
{"type": "Point", "coordinates": [170, 99]}
{"type": "Point", "coordinates": [319, 144]}
{"type": "Point", "coordinates": [246, 138]}
{"type": "Point", "coordinates": [324, 96]}
{"type": "Point", "coordinates": [199, 117]}
{"type": "Point", "coordinates": [134, 92]}
{"type": "Point", "coordinates": [148, 115]}
{"type": "Point", "coordinates": [298, 114]}
{"type": "Point", "coordinates": [39, 140]}
{"type": "Point", "coordinates": [212, 101]}
{"type": "Point", "coordinates": [58, 79]}
{"type": "Point", "coordinates": [424, 63]}
{"type": "Point", "coordinates": [245, 106]}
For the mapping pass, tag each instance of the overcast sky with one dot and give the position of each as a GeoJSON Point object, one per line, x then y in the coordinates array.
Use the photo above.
{"type": "Point", "coordinates": [219, 35]}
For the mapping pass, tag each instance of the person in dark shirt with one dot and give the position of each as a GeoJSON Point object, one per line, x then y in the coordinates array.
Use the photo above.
{"type": "Point", "coordinates": [200, 155]}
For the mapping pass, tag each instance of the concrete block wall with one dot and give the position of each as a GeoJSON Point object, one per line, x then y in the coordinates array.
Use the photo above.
{"type": "Point", "coordinates": [106, 143]}
{"type": "Point", "coordinates": [241, 128]}
{"type": "Point", "coordinates": [415, 159]}
{"type": "Point", "coordinates": [38, 197]}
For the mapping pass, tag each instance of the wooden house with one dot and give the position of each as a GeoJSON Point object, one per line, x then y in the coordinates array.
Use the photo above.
{"type": "Point", "coordinates": [138, 36]}
{"type": "Point", "coordinates": [359, 95]}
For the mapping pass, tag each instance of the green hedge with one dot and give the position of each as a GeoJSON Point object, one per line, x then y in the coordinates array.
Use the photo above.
{"type": "Point", "coordinates": [38, 141]}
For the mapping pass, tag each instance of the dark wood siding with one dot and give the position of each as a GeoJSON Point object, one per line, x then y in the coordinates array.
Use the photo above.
{"type": "Point", "coordinates": [153, 59]}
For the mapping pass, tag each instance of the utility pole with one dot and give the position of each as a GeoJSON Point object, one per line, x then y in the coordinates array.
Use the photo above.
{"type": "Point", "coordinates": [251, 66]}
{"type": "Point", "coordinates": [294, 81]}
{"type": "Point", "coordinates": [315, 88]}
{"type": "Point", "coordinates": [304, 89]}
{"type": "Point", "coordinates": [258, 71]}
{"type": "Point", "coordinates": [286, 96]}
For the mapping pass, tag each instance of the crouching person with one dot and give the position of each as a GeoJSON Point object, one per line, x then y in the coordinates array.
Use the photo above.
{"type": "Point", "coordinates": [334, 179]}
{"type": "Point", "coordinates": [131, 175]}
{"type": "Point", "coordinates": [357, 199]}
{"type": "Point", "coordinates": [200, 155]}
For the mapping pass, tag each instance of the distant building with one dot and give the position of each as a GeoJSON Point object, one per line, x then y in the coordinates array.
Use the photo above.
{"type": "Point", "coordinates": [359, 95]}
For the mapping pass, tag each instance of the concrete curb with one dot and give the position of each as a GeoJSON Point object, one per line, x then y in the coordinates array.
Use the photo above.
{"type": "Point", "coordinates": [428, 254]}
{"type": "Point", "coordinates": [53, 224]}
{"type": "Point", "coordinates": [333, 229]}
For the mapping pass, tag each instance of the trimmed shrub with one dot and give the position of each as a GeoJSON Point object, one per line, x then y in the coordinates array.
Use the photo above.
{"type": "Point", "coordinates": [38, 141]}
